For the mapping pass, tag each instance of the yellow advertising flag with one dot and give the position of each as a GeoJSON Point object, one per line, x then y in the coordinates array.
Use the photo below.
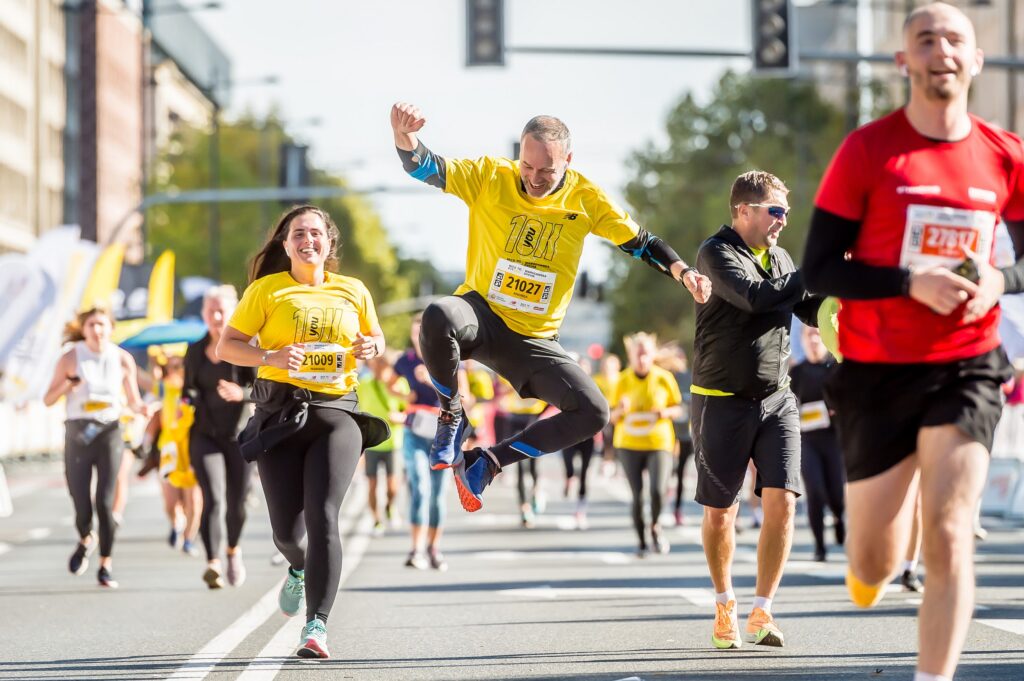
{"type": "Point", "coordinates": [160, 306]}
{"type": "Point", "coordinates": [103, 280]}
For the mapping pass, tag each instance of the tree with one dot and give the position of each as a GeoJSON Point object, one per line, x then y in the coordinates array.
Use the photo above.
{"type": "Point", "coordinates": [681, 192]}
{"type": "Point", "coordinates": [248, 157]}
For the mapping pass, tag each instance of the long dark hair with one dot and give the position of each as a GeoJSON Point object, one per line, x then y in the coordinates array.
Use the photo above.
{"type": "Point", "coordinates": [272, 259]}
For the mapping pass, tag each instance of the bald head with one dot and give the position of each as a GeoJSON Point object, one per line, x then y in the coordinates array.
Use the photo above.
{"type": "Point", "coordinates": [937, 12]}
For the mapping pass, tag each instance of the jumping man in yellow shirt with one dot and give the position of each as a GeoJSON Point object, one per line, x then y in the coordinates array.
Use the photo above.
{"type": "Point", "coordinates": [527, 223]}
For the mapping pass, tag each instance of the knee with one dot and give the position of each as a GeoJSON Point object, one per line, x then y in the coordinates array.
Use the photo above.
{"type": "Point", "coordinates": [592, 410]}
{"type": "Point", "coordinates": [436, 320]}
{"type": "Point", "coordinates": [779, 507]}
{"type": "Point", "coordinates": [875, 562]}
{"type": "Point", "coordinates": [718, 519]}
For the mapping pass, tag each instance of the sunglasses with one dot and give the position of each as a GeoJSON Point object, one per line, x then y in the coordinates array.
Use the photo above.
{"type": "Point", "coordinates": [777, 212]}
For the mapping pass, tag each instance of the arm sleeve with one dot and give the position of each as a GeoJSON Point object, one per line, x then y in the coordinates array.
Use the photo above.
{"type": "Point", "coordinates": [730, 282]}
{"type": "Point", "coordinates": [807, 309]}
{"type": "Point", "coordinates": [828, 272]}
{"type": "Point", "coordinates": [652, 250]}
{"type": "Point", "coordinates": [1014, 274]}
{"type": "Point", "coordinates": [190, 391]}
{"type": "Point", "coordinates": [424, 165]}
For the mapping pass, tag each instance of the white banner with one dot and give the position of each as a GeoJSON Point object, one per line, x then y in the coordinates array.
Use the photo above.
{"type": "Point", "coordinates": [67, 262]}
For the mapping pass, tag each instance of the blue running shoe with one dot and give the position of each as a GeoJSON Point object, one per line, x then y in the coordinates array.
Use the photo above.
{"type": "Point", "coordinates": [293, 593]}
{"type": "Point", "coordinates": [472, 479]}
{"type": "Point", "coordinates": [313, 642]}
{"type": "Point", "coordinates": [446, 449]}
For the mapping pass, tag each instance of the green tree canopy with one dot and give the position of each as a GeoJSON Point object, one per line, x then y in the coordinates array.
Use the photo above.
{"type": "Point", "coordinates": [680, 192]}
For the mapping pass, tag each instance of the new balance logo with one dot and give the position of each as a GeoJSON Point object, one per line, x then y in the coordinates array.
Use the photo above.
{"type": "Point", "coordinates": [570, 216]}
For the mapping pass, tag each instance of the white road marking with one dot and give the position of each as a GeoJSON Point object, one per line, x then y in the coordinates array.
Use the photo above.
{"type": "Point", "coordinates": [4, 548]}
{"type": "Point", "coordinates": [698, 597]}
{"type": "Point", "coordinates": [607, 557]}
{"type": "Point", "coordinates": [38, 533]}
{"type": "Point", "coordinates": [1012, 626]}
{"type": "Point", "coordinates": [281, 647]}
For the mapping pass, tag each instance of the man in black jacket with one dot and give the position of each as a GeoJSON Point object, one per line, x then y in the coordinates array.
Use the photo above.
{"type": "Point", "coordinates": [742, 408]}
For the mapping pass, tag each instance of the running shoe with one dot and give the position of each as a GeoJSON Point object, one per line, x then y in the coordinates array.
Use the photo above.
{"type": "Point", "coordinates": [863, 595]}
{"type": "Point", "coordinates": [642, 551]}
{"type": "Point", "coordinates": [661, 544]}
{"type": "Point", "coordinates": [213, 578]}
{"type": "Point", "coordinates": [417, 560]}
{"type": "Point", "coordinates": [726, 633]}
{"type": "Point", "coordinates": [446, 449]}
{"type": "Point", "coordinates": [911, 582]}
{"type": "Point", "coordinates": [293, 593]}
{"type": "Point", "coordinates": [472, 478]}
{"type": "Point", "coordinates": [819, 555]}
{"type": "Point", "coordinates": [762, 630]}
{"type": "Point", "coordinates": [677, 516]}
{"type": "Point", "coordinates": [840, 530]}
{"type": "Point", "coordinates": [581, 515]}
{"type": "Point", "coordinates": [313, 642]}
{"type": "Point", "coordinates": [526, 517]}
{"type": "Point", "coordinates": [189, 549]}
{"type": "Point", "coordinates": [172, 538]}
{"type": "Point", "coordinates": [79, 561]}
{"type": "Point", "coordinates": [105, 579]}
{"type": "Point", "coordinates": [236, 569]}
{"type": "Point", "coordinates": [378, 529]}
{"type": "Point", "coordinates": [437, 560]}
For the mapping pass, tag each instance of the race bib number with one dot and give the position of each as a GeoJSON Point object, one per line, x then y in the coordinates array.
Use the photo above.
{"type": "Point", "coordinates": [95, 404]}
{"type": "Point", "coordinates": [936, 235]}
{"type": "Point", "coordinates": [323, 363]}
{"type": "Point", "coordinates": [519, 287]}
{"type": "Point", "coordinates": [639, 423]}
{"type": "Point", "coordinates": [814, 416]}
{"type": "Point", "coordinates": [423, 424]}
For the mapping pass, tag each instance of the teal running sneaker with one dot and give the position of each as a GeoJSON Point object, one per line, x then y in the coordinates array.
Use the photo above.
{"type": "Point", "coordinates": [293, 593]}
{"type": "Point", "coordinates": [313, 642]}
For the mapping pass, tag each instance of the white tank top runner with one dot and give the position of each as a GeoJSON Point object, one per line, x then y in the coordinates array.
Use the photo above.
{"type": "Point", "coordinates": [98, 396]}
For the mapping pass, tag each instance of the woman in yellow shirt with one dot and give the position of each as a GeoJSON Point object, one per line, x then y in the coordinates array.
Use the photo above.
{"type": "Point", "coordinates": [307, 433]}
{"type": "Point", "coordinates": [646, 400]}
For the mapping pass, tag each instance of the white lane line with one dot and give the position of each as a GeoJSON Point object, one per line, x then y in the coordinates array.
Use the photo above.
{"type": "Point", "coordinates": [1012, 626]}
{"type": "Point", "coordinates": [607, 557]}
{"type": "Point", "coordinates": [203, 662]}
{"type": "Point", "coordinates": [281, 647]}
{"type": "Point", "coordinates": [37, 533]}
{"type": "Point", "coordinates": [4, 548]}
{"type": "Point", "coordinates": [698, 597]}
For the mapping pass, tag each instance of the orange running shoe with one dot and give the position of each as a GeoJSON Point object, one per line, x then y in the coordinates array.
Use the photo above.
{"type": "Point", "coordinates": [727, 628]}
{"type": "Point", "coordinates": [762, 630]}
{"type": "Point", "coordinates": [863, 595]}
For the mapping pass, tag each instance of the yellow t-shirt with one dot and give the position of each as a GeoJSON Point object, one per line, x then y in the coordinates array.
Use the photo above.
{"type": "Point", "coordinates": [640, 428]}
{"type": "Point", "coordinates": [280, 311]}
{"type": "Point", "coordinates": [606, 385]}
{"type": "Point", "coordinates": [523, 252]}
{"type": "Point", "coordinates": [512, 403]}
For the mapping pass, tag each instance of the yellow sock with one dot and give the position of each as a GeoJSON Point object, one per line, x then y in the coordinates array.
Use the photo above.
{"type": "Point", "coordinates": [863, 595]}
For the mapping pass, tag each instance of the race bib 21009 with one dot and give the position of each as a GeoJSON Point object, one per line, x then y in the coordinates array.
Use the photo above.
{"type": "Point", "coordinates": [323, 363]}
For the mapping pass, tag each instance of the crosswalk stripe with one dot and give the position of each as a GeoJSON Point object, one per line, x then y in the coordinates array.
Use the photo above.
{"type": "Point", "coordinates": [1012, 626]}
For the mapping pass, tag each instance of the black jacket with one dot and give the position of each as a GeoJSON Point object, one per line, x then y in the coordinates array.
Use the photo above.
{"type": "Point", "coordinates": [214, 416]}
{"type": "Point", "coordinates": [741, 343]}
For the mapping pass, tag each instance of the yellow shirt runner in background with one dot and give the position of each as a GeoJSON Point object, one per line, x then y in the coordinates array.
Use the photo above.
{"type": "Point", "coordinates": [640, 428]}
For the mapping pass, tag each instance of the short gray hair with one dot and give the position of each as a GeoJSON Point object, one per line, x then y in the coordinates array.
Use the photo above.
{"type": "Point", "coordinates": [548, 129]}
{"type": "Point", "coordinates": [226, 293]}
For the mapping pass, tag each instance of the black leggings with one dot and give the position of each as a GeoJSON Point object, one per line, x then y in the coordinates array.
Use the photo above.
{"type": "Point", "coordinates": [824, 480]}
{"type": "Point", "coordinates": [634, 463]}
{"type": "Point", "coordinates": [586, 450]}
{"type": "Point", "coordinates": [225, 478]}
{"type": "Point", "coordinates": [305, 479]}
{"type": "Point", "coordinates": [685, 452]}
{"type": "Point", "coordinates": [464, 327]}
{"type": "Point", "coordinates": [103, 451]}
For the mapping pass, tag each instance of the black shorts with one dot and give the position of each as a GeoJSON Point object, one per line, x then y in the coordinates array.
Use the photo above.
{"type": "Point", "coordinates": [879, 408]}
{"type": "Point", "coordinates": [513, 356]}
{"type": "Point", "coordinates": [729, 432]}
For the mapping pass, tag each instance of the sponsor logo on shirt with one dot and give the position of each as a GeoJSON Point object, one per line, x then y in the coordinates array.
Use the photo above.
{"type": "Point", "coordinates": [925, 189]}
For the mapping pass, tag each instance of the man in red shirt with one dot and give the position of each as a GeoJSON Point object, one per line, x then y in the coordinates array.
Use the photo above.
{"type": "Point", "coordinates": [903, 233]}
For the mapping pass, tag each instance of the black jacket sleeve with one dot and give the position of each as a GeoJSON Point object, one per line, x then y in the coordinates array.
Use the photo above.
{"type": "Point", "coordinates": [1014, 274]}
{"type": "Point", "coordinates": [732, 283]}
{"type": "Point", "coordinates": [829, 273]}
{"type": "Point", "coordinates": [807, 309]}
{"type": "Point", "coordinates": [193, 357]}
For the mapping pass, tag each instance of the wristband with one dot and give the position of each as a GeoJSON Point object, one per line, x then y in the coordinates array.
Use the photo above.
{"type": "Point", "coordinates": [263, 360]}
{"type": "Point", "coordinates": [687, 270]}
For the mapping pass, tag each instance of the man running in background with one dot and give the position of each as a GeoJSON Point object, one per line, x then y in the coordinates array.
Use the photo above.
{"type": "Point", "coordinates": [527, 223]}
{"type": "Point", "coordinates": [903, 233]}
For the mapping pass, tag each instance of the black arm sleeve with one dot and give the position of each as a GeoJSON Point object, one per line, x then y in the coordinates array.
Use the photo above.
{"type": "Point", "coordinates": [1014, 274]}
{"type": "Point", "coordinates": [424, 165]}
{"type": "Point", "coordinates": [652, 250]}
{"type": "Point", "coordinates": [190, 391]}
{"type": "Point", "coordinates": [731, 282]}
{"type": "Point", "coordinates": [807, 309]}
{"type": "Point", "coordinates": [828, 272]}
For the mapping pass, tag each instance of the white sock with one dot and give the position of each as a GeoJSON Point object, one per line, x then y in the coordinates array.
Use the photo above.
{"type": "Point", "coordinates": [924, 676]}
{"type": "Point", "coordinates": [909, 565]}
{"type": "Point", "coordinates": [763, 603]}
{"type": "Point", "coordinates": [725, 597]}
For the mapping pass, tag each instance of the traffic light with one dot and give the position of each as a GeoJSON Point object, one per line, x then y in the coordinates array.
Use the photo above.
{"type": "Point", "coordinates": [294, 168]}
{"type": "Point", "coordinates": [774, 49]}
{"type": "Point", "coordinates": [485, 33]}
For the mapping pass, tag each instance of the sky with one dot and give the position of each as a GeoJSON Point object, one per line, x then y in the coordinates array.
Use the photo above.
{"type": "Point", "coordinates": [347, 61]}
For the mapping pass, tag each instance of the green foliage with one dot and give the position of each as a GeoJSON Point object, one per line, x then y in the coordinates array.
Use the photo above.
{"type": "Point", "coordinates": [681, 192]}
{"type": "Point", "coordinates": [249, 158]}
